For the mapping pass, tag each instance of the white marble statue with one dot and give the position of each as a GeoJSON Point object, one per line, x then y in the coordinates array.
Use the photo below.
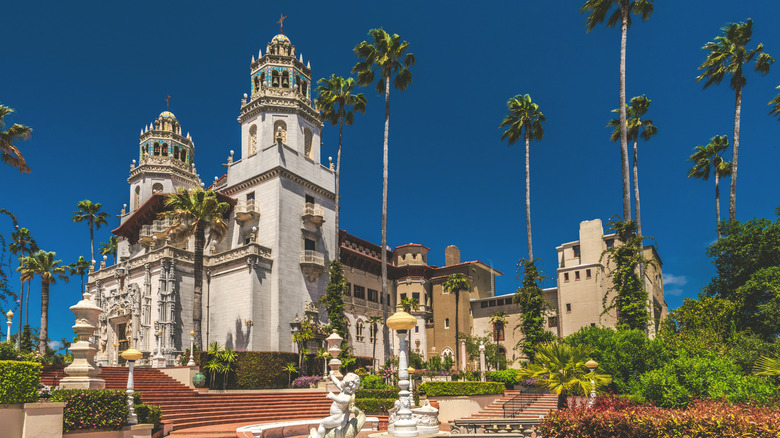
{"type": "Point", "coordinates": [339, 424]}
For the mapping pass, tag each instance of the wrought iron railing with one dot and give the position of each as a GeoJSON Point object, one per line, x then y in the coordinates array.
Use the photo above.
{"type": "Point", "coordinates": [520, 402]}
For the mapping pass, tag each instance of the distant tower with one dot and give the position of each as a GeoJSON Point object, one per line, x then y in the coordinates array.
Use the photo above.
{"type": "Point", "coordinates": [166, 160]}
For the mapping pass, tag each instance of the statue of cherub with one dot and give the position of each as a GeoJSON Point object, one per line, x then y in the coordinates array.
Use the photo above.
{"type": "Point", "coordinates": [343, 405]}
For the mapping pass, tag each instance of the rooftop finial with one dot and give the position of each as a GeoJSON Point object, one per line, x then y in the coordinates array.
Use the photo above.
{"type": "Point", "coordinates": [281, 23]}
{"type": "Point", "coordinates": [168, 101]}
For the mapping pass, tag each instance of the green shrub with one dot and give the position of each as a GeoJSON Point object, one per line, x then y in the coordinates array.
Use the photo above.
{"type": "Point", "coordinates": [19, 381]}
{"type": "Point", "coordinates": [390, 392]}
{"type": "Point", "coordinates": [375, 405]}
{"type": "Point", "coordinates": [89, 409]}
{"type": "Point", "coordinates": [254, 370]}
{"type": "Point", "coordinates": [436, 389]}
{"type": "Point", "coordinates": [618, 418]}
{"type": "Point", "coordinates": [372, 381]}
{"type": "Point", "coordinates": [687, 378]}
{"type": "Point", "coordinates": [149, 414]}
{"type": "Point", "coordinates": [507, 377]}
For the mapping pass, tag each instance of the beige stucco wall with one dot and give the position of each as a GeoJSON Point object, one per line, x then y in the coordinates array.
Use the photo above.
{"type": "Point", "coordinates": [451, 408]}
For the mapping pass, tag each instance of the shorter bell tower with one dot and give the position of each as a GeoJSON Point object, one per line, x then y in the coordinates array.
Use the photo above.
{"type": "Point", "coordinates": [166, 160]}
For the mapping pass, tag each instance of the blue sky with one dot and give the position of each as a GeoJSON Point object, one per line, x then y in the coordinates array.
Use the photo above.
{"type": "Point", "coordinates": [88, 76]}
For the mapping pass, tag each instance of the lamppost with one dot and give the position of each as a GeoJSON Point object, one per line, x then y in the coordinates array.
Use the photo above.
{"type": "Point", "coordinates": [404, 426]}
{"type": "Point", "coordinates": [591, 365]}
{"type": "Point", "coordinates": [191, 363]}
{"type": "Point", "coordinates": [10, 316]}
{"type": "Point", "coordinates": [131, 355]}
{"type": "Point", "coordinates": [482, 361]}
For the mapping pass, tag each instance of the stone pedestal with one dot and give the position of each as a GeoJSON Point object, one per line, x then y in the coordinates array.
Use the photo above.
{"type": "Point", "coordinates": [82, 373]}
{"type": "Point", "coordinates": [427, 418]}
{"type": "Point", "coordinates": [334, 349]}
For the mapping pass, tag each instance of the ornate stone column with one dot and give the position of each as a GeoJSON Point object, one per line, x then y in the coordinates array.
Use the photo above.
{"type": "Point", "coordinates": [82, 372]}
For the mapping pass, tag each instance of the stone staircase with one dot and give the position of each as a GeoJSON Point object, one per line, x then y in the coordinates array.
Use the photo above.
{"type": "Point", "coordinates": [541, 406]}
{"type": "Point", "coordinates": [186, 408]}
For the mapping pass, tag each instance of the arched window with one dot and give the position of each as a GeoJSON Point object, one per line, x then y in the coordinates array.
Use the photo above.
{"type": "Point", "coordinates": [447, 352]}
{"type": "Point", "coordinates": [183, 155]}
{"type": "Point", "coordinates": [280, 131]}
{"type": "Point", "coordinates": [156, 148]}
{"type": "Point", "coordinates": [257, 83]}
{"type": "Point", "coordinates": [137, 197]}
{"type": "Point", "coordinates": [304, 86]}
{"type": "Point", "coordinates": [262, 79]}
{"type": "Point", "coordinates": [307, 149]}
{"type": "Point", "coordinates": [252, 146]}
{"type": "Point", "coordinates": [157, 188]}
{"type": "Point", "coordinates": [285, 79]}
{"type": "Point", "coordinates": [165, 149]}
{"type": "Point", "coordinates": [176, 152]}
{"type": "Point", "coordinates": [359, 330]}
{"type": "Point", "coordinates": [274, 78]}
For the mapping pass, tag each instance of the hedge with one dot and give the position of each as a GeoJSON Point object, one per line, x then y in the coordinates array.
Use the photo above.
{"type": "Point", "coordinates": [375, 405]}
{"type": "Point", "coordinates": [436, 389]}
{"type": "Point", "coordinates": [19, 381]}
{"type": "Point", "coordinates": [149, 414]}
{"type": "Point", "coordinates": [619, 418]}
{"type": "Point", "coordinates": [89, 409]}
{"type": "Point", "coordinates": [378, 393]}
{"type": "Point", "coordinates": [507, 377]}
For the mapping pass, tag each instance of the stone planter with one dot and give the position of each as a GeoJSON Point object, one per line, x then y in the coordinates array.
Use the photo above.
{"type": "Point", "coordinates": [31, 420]}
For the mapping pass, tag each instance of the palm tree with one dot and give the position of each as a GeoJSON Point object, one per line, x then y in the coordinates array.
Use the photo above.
{"type": "Point", "coordinates": [410, 304]}
{"type": "Point", "coordinates": [524, 120]}
{"type": "Point", "coordinates": [338, 104]}
{"type": "Point", "coordinates": [374, 321]}
{"type": "Point", "coordinates": [767, 366]}
{"type": "Point", "coordinates": [323, 354]}
{"type": "Point", "coordinates": [11, 154]}
{"type": "Point", "coordinates": [599, 9]}
{"type": "Point", "coordinates": [499, 320]}
{"type": "Point", "coordinates": [87, 211]}
{"type": "Point", "coordinates": [455, 283]}
{"type": "Point", "coordinates": [727, 56]}
{"type": "Point", "coordinates": [710, 158]}
{"type": "Point", "coordinates": [109, 247]}
{"type": "Point", "coordinates": [634, 112]}
{"type": "Point", "coordinates": [194, 211]}
{"type": "Point", "coordinates": [387, 55]}
{"type": "Point", "coordinates": [290, 368]}
{"type": "Point", "coordinates": [42, 264]}
{"type": "Point", "coordinates": [80, 268]}
{"type": "Point", "coordinates": [775, 104]}
{"type": "Point", "coordinates": [561, 368]}
{"type": "Point", "coordinates": [300, 338]}
{"type": "Point", "coordinates": [23, 244]}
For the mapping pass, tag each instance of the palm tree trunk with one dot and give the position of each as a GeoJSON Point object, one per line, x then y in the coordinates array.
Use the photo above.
{"type": "Point", "coordinates": [383, 250]}
{"type": "Point", "coordinates": [457, 328]}
{"type": "Point", "coordinates": [717, 201]}
{"type": "Point", "coordinates": [373, 354]}
{"type": "Point", "coordinates": [623, 133]}
{"type": "Point", "coordinates": [636, 189]}
{"type": "Point", "coordinates": [338, 175]}
{"type": "Point", "coordinates": [21, 314]}
{"type": "Point", "coordinates": [27, 304]}
{"type": "Point", "coordinates": [735, 156]}
{"type": "Point", "coordinates": [528, 188]}
{"type": "Point", "coordinates": [44, 317]}
{"type": "Point", "coordinates": [92, 239]}
{"type": "Point", "coordinates": [197, 296]}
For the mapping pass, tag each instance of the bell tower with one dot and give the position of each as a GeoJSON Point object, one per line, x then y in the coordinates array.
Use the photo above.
{"type": "Point", "coordinates": [166, 160]}
{"type": "Point", "coordinates": [279, 109]}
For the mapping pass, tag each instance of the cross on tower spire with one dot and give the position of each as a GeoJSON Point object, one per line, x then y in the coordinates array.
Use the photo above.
{"type": "Point", "coordinates": [168, 101]}
{"type": "Point", "coordinates": [281, 23]}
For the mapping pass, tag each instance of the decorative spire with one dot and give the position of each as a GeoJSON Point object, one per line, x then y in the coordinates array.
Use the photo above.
{"type": "Point", "coordinates": [253, 59]}
{"type": "Point", "coordinates": [300, 58]}
{"type": "Point", "coordinates": [308, 65]}
{"type": "Point", "coordinates": [260, 53]}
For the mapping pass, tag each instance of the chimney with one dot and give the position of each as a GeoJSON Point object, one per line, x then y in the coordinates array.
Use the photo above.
{"type": "Point", "coordinates": [451, 255]}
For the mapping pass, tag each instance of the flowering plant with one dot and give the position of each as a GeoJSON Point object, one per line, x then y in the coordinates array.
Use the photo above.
{"type": "Point", "coordinates": [306, 381]}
